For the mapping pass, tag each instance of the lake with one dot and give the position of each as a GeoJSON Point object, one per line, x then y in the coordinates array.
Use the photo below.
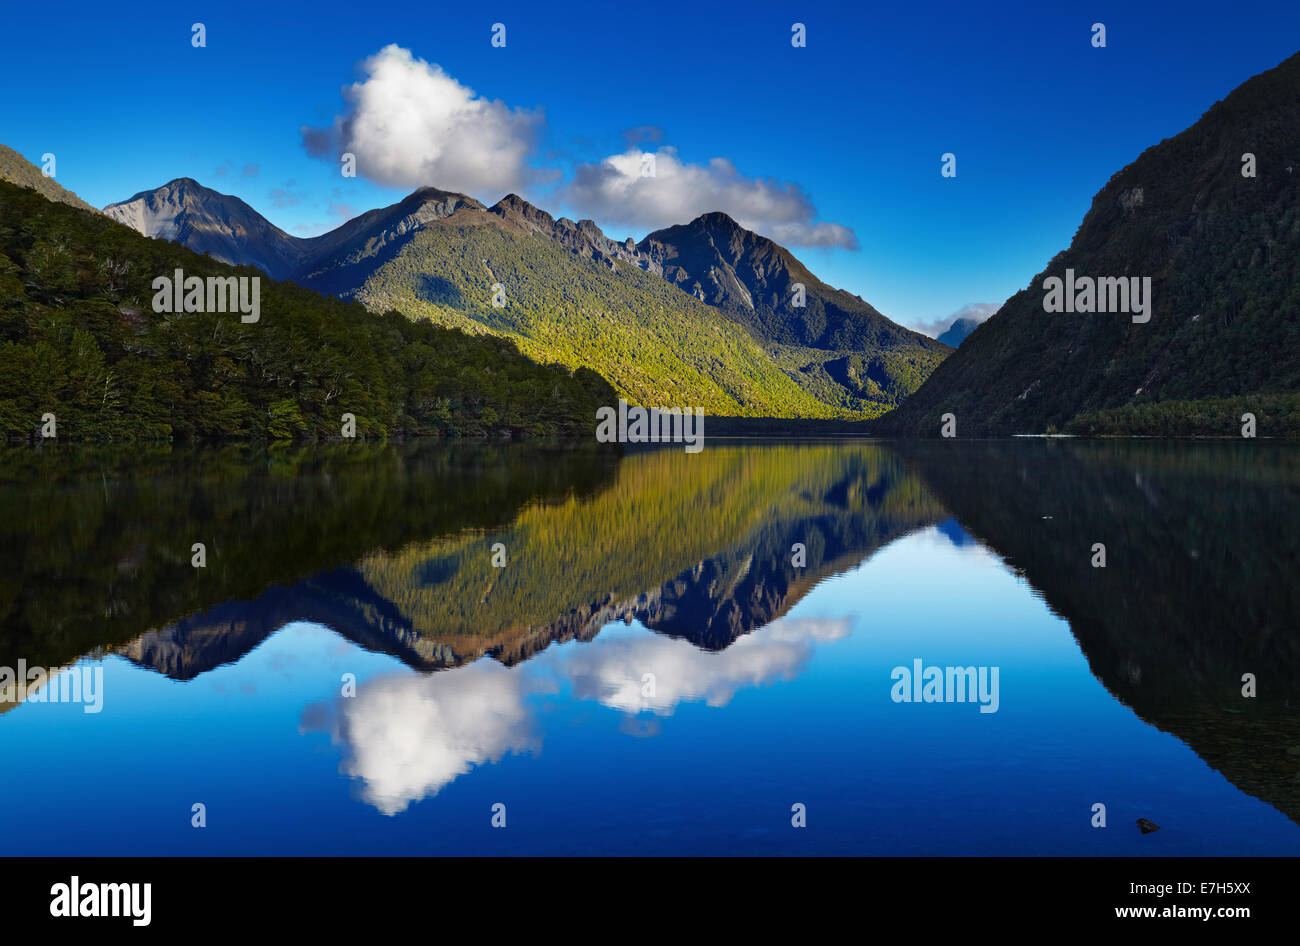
{"type": "Point", "coordinates": [852, 647]}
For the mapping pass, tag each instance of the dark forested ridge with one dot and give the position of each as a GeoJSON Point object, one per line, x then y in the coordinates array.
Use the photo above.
{"type": "Point", "coordinates": [79, 339]}
{"type": "Point", "coordinates": [1223, 253]}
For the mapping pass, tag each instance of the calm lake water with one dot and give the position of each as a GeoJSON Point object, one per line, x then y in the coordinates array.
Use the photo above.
{"type": "Point", "coordinates": [670, 654]}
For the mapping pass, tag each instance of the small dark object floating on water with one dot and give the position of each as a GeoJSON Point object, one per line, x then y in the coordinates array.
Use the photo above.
{"type": "Point", "coordinates": [1147, 826]}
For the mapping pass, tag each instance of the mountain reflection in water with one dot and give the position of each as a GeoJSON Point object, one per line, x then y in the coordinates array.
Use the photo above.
{"type": "Point", "coordinates": [744, 580]}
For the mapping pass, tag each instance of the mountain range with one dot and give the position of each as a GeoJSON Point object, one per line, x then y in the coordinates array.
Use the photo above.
{"type": "Point", "coordinates": [703, 314]}
{"type": "Point", "coordinates": [1222, 250]}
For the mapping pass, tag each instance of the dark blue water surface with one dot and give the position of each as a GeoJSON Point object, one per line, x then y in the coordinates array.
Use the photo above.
{"type": "Point", "coordinates": [652, 670]}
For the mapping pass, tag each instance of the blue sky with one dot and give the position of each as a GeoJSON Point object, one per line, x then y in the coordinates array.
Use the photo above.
{"type": "Point", "coordinates": [833, 148]}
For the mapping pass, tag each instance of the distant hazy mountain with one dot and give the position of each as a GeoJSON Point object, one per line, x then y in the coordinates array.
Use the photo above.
{"type": "Point", "coordinates": [16, 169]}
{"type": "Point", "coordinates": [956, 328]}
{"type": "Point", "coordinates": [958, 332]}
{"type": "Point", "coordinates": [733, 342]}
{"type": "Point", "coordinates": [1223, 254]}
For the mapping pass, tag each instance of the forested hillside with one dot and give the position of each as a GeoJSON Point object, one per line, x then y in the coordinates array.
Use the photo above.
{"type": "Point", "coordinates": [79, 339]}
{"type": "Point", "coordinates": [655, 344]}
{"type": "Point", "coordinates": [1212, 217]}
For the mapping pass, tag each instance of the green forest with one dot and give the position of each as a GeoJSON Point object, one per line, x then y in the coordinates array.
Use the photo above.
{"type": "Point", "coordinates": [1275, 415]}
{"type": "Point", "coordinates": [79, 340]}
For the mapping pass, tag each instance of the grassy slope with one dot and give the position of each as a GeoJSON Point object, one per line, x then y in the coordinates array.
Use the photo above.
{"type": "Point", "coordinates": [655, 344]}
{"type": "Point", "coordinates": [16, 169]}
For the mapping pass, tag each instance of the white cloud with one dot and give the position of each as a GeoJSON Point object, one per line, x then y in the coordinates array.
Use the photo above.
{"type": "Point", "coordinates": [411, 125]}
{"type": "Point", "coordinates": [615, 191]}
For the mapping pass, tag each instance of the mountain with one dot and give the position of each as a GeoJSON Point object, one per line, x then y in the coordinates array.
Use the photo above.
{"type": "Point", "coordinates": [205, 221]}
{"type": "Point", "coordinates": [583, 238]}
{"type": "Point", "coordinates": [80, 339]}
{"type": "Point", "coordinates": [1223, 254]}
{"type": "Point", "coordinates": [839, 346]}
{"type": "Point", "coordinates": [16, 169]}
{"type": "Point", "coordinates": [574, 296]}
{"type": "Point", "coordinates": [958, 332]}
{"type": "Point", "coordinates": [339, 262]}
{"type": "Point", "coordinates": [719, 262]}
{"type": "Point", "coordinates": [653, 343]}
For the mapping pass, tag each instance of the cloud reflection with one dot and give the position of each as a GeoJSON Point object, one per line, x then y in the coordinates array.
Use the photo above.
{"type": "Point", "coordinates": [657, 673]}
{"type": "Point", "coordinates": [406, 735]}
